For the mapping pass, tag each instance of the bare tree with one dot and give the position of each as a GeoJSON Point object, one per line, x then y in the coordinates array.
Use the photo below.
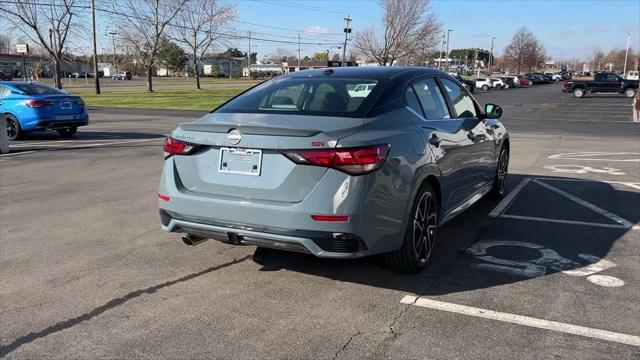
{"type": "Point", "coordinates": [524, 50]}
{"type": "Point", "coordinates": [409, 27]}
{"type": "Point", "coordinates": [197, 28]}
{"type": "Point", "coordinates": [144, 25]}
{"type": "Point", "coordinates": [46, 25]}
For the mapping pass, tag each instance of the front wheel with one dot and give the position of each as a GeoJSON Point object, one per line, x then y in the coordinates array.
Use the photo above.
{"type": "Point", "coordinates": [485, 87]}
{"type": "Point", "coordinates": [420, 236]}
{"type": "Point", "coordinates": [500, 180]}
{"type": "Point", "coordinates": [14, 132]}
{"type": "Point", "coordinates": [67, 132]}
{"type": "Point", "coordinates": [579, 92]}
{"type": "Point", "coordinates": [630, 93]}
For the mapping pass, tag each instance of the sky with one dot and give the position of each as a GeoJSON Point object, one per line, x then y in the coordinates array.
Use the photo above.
{"type": "Point", "coordinates": [567, 29]}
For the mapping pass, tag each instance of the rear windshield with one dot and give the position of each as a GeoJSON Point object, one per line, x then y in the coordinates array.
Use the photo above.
{"type": "Point", "coordinates": [305, 96]}
{"type": "Point", "coordinates": [38, 89]}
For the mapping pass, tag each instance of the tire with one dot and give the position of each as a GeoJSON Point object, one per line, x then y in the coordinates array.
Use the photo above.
{"type": "Point", "coordinates": [420, 237]}
{"type": "Point", "coordinates": [67, 132]}
{"type": "Point", "coordinates": [498, 87]}
{"type": "Point", "coordinates": [578, 92]}
{"type": "Point", "coordinates": [500, 180]}
{"type": "Point", "coordinates": [14, 131]}
{"type": "Point", "coordinates": [485, 87]}
{"type": "Point", "coordinates": [630, 93]}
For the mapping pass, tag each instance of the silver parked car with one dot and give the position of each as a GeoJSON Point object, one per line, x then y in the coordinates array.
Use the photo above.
{"type": "Point", "coordinates": [305, 163]}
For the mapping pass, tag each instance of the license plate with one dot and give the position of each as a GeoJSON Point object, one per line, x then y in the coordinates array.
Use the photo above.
{"type": "Point", "coordinates": [65, 105]}
{"type": "Point", "coordinates": [240, 161]}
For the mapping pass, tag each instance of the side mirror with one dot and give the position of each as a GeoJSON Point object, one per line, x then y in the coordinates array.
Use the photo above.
{"type": "Point", "coordinates": [492, 111]}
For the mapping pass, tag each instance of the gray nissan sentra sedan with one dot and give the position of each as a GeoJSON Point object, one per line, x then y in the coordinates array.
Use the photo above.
{"type": "Point", "coordinates": [339, 163]}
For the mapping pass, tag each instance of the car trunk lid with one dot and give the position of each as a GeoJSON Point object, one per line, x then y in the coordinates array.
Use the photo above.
{"type": "Point", "coordinates": [218, 169]}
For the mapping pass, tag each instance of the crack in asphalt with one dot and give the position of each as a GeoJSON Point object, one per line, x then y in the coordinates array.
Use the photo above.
{"type": "Point", "coordinates": [69, 323]}
{"type": "Point", "coordinates": [420, 294]}
{"type": "Point", "coordinates": [346, 344]}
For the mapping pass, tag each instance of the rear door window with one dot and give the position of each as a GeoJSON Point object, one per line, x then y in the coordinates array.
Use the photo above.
{"type": "Point", "coordinates": [431, 99]}
{"type": "Point", "coordinates": [412, 101]}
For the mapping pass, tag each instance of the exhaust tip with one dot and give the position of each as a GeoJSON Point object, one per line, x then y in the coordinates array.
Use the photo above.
{"type": "Point", "coordinates": [192, 240]}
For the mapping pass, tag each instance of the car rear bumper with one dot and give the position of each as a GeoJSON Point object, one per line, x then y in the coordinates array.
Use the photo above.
{"type": "Point", "coordinates": [318, 243]}
{"type": "Point", "coordinates": [59, 124]}
{"type": "Point", "coordinates": [376, 220]}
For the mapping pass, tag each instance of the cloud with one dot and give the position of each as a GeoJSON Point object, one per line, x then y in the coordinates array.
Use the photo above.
{"type": "Point", "coordinates": [316, 29]}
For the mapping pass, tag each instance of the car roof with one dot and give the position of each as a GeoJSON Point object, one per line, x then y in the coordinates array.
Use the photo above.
{"type": "Point", "coordinates": [368, 72]}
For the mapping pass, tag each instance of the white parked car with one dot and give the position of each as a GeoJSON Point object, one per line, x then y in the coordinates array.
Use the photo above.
{"type": "Point", "coordinates": [632, 75]}
{"type": "Point", "coordinates": [361, 90]}
{"type": "Point", "coordinates": [554, 77]}
{"type": "Point", "coordinates": [498, 83]}
{"type": "Point", "coordinates": [484, 84]}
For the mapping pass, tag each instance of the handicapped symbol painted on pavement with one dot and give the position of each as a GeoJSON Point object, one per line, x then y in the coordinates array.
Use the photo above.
{"type": "Point", "coordinates": [548, 259]}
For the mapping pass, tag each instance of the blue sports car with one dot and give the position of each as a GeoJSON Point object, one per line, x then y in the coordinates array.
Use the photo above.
{"type": "Point", "coordinates": [28, 107]}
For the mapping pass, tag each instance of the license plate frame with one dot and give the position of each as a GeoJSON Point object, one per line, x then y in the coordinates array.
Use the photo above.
{"type": "Point", "coordinates": [240, 161]}
{"type": "Point", "coordinates": [65, 105]}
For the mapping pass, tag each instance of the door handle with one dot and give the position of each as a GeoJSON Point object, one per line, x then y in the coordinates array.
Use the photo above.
{"type": "Point", "coordinates": [435, 140]}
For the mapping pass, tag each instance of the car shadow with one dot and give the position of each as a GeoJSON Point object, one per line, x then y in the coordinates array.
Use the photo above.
{"type": "Point", "coordinates": [477, 251]}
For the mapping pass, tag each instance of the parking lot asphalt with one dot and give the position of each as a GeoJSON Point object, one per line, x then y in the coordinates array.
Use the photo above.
{"type": "Point", "coordinates": [552, 271]}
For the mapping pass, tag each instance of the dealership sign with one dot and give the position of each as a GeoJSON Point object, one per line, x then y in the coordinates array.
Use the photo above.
{"type": "Point", "coordinates": [22, 49]}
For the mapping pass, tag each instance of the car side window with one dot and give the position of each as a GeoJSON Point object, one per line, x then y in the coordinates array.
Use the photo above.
{"type": "Point", "coordinates": [612, 77]}
{"type": "Point", "coordinates": [462, 103]}
{"type": "Point", "coordinates": [4, 91]}
{"type": "Point", "coordinates": [412, 101]}
{"type": "Point", "coordinates": [431, 99]}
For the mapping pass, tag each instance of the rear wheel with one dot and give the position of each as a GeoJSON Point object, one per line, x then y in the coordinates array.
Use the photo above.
{"type": "Point", "coordinates": [420, 237]}
{"type": "Point", "coordinates": [630, 93]}
{"type": "Point", "coordinates": [500, 181]}
{"type": "Point", "coordinates": [14, 132]}
{"type": "Point", "coordinates": [67, 132]}
{"type": "Point", "coordinates": [499, 87]}
{"type": "Point", "coordinates": [578, 92]}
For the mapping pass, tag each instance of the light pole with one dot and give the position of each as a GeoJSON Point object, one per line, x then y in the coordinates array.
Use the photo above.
{"type": "Point", "coordinates": [491, 55]}
{"type": "Point", "coordinates": [115, 61]}
{"type": "Point", "coordinates": [441, 50]}
{"type": "Point", "coordinates": [347, 31]}
{"type": "Point", "coordinates": [624, 70]}
{"type": "Point", "coordinates": [448, 31]}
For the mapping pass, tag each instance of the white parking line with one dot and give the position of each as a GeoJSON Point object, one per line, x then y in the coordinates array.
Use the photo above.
{"type": "Point", "coordinates": [586, 204]}
{"type": "Point", "coordinates": [523, 320]}
{"type": "Point", "coordinates": [507, 200]}
{"type": "Point", "coordinates": [633, 185]}
{"type": "Point", "coordinates": [81, 145]}
{"type": "Point", "coordinates": [570, 222]}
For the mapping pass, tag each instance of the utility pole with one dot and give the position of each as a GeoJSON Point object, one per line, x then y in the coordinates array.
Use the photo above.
{"type": "Point", "coordinates": [347, 31]}
{"type": "Point", "coordinates": [447, 61]}
{"type": "Point", "coordinates": [95, 51]}
{"type": "Point", "coordinates": [624, 70]}
{"type": "Point", "coordinates": [249, 57]}
{"type": "Point", "coordinates": [298, 52]}
{"type": "Point", "coordinates": [441, 50]}
{"type": "Point", "coordinates": [115, 61]}
{"type": "Point", "coordinates": [491, 55]}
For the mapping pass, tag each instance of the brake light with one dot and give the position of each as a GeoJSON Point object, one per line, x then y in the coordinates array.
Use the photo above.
{"type": "Point", "coordinates": [38, 103]}
{"type": "Point", "coordinates": [164, 197]}
{"type": "Point", "coordinates": [353, 161]}
{"type": "Point", "coordinates": [177, 147]}
{"type": "Point", "coordinates": [331, 218]}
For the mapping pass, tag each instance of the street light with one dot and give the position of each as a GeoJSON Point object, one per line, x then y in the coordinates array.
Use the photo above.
{"type": "Point", "coordinates": [115, 61]}
{"type": "Point", "coordinates": [448, 31]}
{"type": "Point", "coordinates": [491, 55]}
{"type": "Point", "coordinates": [624, 71]}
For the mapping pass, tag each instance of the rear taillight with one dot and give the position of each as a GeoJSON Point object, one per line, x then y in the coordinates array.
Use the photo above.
{"type": "Point", "coordinates": [177, 147]}
{"type": "Point", "coordinates": [79, 103]}
{"type": "Point", "coordinates": [38, 103]}
{"type": "Point", "coordinates": [353, 161]}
